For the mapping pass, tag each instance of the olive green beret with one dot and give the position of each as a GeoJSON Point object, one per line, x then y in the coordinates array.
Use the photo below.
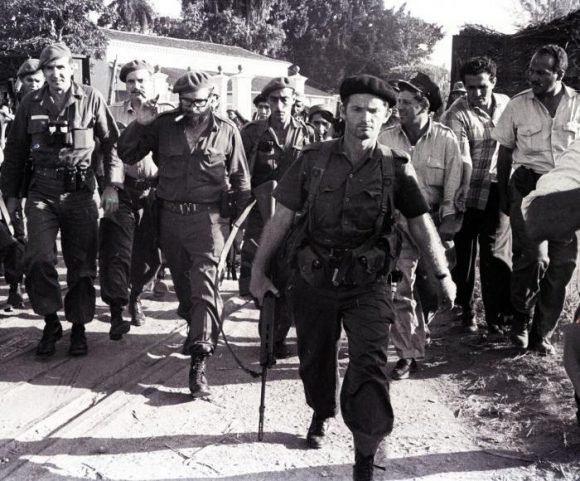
{"type": "Point", "coordinates": [258, 99]}
{"type": "Point", "coordinates": [132, 66]}
{"type": "Point", "coordinates": [28, 67]}
{"type": "Point", "coordinates": [277, 83]}
{"type": "Point", "coordinates": [192, 81]}
{"type": "Point", "coordinates": [53, 52]}
{"type": "Point", "coordinates": [367, 84]}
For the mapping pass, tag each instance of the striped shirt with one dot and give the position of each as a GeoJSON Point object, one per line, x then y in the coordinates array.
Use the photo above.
{"type": "Point", "coordinates": [473, 128]}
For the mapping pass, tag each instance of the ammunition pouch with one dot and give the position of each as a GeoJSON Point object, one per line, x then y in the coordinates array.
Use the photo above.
{"type": "Point", "coordinates": [74, 179]}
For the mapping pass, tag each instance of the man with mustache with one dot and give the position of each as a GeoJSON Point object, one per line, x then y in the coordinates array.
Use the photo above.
{"type": "Point", "coordinates": [534, 131]}
{"type": "Point", "coordinates": [271, 146]}
{"type": "Point", "coordinates": [128, 254]}
{"type": "Point", "coordinates": [200, 159]}
{"type": "Point", "coordinates": [56, 128]}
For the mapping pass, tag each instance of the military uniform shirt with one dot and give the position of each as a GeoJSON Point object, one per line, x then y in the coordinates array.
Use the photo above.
{"type": "Point", "coordinates": [190, 175]}
{"type": "Point", "coordinates": [87, 116]}
{"type": "Point", "coordinates": [436, 160]}
{"type": "Point", "coordinates": [349, 198]}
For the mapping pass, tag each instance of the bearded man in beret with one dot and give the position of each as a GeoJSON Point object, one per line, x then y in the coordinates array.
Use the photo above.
{"type": "Point", "coordinates": [343, 248]}
{"type": "Point", "coordinates": [56, 127]}
{"type": "Point", "coordinates": [200, 159]}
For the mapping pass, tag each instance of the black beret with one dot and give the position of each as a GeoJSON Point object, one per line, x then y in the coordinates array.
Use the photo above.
{"type": "Point", "coordinates": [192, 81]}
{"type": "Point", "coordinates": [53, 52]}
{"type": "Point", "coordinates": [277, 83]}
{"type": "Point", "coordinates": [132, 66]}
{"type": "Point", "coordinates": [258, 99]}
{"type": "Point", "coordinates": [367, 84]}
{"type": "Point", "coordinates": [28, 67]}
{"type": "Point", "coordinates": [322, 110]}
{"type": "Point", "coordinates": [423, 84]}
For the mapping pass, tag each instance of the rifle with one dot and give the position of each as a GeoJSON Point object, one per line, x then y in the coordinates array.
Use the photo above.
{"type": "Point", "coordinates": [267, 359]}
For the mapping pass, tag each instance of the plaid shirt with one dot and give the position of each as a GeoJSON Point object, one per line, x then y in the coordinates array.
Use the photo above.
{"type": "Point", "coordinates": [473, 128]}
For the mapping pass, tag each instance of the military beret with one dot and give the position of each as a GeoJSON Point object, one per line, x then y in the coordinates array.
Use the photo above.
{"type": "Point", "coordinates": [422, 83]}
{"type": "Point", "coordinates": [367, 84]}
{"type": "Point", "coordinates": [53, 52]}
{"type": "Point", "coordinates": [277, 83]}
{"type": "Point", "coordinates": [322, 110]}
{"type": "Point", "coordinates": [192, 81]}
{"type": "Point", "coordinates": [258, 99]}
{"type": "Point", "coordinates": [132, 66]}
{"type": "Point", "coordinates": [28, 67]}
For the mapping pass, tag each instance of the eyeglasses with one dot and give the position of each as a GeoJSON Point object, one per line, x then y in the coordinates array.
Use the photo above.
{"type": "Point", "coordinates": [199, 103]}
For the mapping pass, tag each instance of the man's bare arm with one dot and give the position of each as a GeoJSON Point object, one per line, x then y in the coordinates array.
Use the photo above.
{"type": "Point", "coordinates": [273, 235]}
{"type": "Point", "coordinates": [425, 236]}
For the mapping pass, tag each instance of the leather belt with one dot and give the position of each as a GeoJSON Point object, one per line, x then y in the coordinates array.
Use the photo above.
{"type": "Point", "coordinates": [139, 184]}
{"type": "Point", "coordinates": [57, 172]}
{"type": "Point", "coordinates": [187, 208]}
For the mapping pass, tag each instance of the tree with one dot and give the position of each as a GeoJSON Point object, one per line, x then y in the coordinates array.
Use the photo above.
{"type": "Point", "coordinates": [29, 25]}
{"type": "Point", "coordinates": [129, 15]}
{"type": "Point", "coordinates": [543, 11]}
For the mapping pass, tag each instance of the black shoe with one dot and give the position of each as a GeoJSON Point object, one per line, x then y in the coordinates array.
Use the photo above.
{"type": "Point", "coordinates": [15, 298]}
{"type": "Point", "coordinates": [197, 381]}
{"type": "Point", "coordinates": [519, 334]}
{"type": "Point", "coordinates": [403, 369]}
{"type": "Point", "coordinates": [78, 341]}
{"type": "Point", "coordinates": [316, 432]}
{"type": "Point", "coordinates": [364, 467]}
{"type": "Point", "coordinates": [118, 325]}
{"type": "Point", "coordinates": [281, 350]}
{"type": "Point", "coordinates": [542, 346]}
{"type": "Point", "coordinates": [52, 332]}
{"type": "Point", "coordinates": [136, 311]}
{"type": "Point", "coordinates": [469, 323]}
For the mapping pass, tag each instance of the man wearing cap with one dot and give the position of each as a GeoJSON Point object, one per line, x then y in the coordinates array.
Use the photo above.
{"type": "Point", "coordinates": [271, 146]}
{"type": "Point", "coordinates": [201, 159]}
{"type": "Point", "coordinates": [343, 248]}
{"type": "Point", "coordinates": [435, 155]}
{"type": "Point", "coordinates": [262, 107]}
{"type": "Point", "coordinates": [321, 118]}
{"type": "Point", "coordinates": [457, 91]}
{"type": "Point", "coordinates": [485, 228]}
{"type": "Point", "coordinates": [535, 130]}
{"type": "Point", "coordinates": [299, 110]}
{"type": "Point", "coordinates": [128, 254]}
{"type": "Point", "coordinates": [30, 76]}
{"type": "Point", "coordinates": [56, 127]}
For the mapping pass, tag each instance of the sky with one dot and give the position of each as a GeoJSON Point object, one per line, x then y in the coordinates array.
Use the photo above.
{"type": "Point", "coordinates": [450, 14]}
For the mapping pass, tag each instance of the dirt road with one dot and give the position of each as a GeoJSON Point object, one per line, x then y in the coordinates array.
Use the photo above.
{"type": "Point", "coordinates": [124, 413]}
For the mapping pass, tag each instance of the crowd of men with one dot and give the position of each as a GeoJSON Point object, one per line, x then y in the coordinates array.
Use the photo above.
{"type": "Point", "coordinates": [370, 221]}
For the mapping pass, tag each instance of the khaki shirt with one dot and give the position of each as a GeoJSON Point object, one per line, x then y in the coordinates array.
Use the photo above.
{"type": "Point", "coordinates": [538, 140]}
{"type": "Point", "coordinates": [87, 117]}
{"type": "Point", "coordinates": [215, 163]}
{"type": "Point", "coordinates": [437, 162]}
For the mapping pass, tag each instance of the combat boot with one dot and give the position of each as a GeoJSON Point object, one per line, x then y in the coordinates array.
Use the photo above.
{"type": "Point", "coordinates": [136, 311]}
{"type": "Point", "coordinates": [316, 432]}
{"type": "Point", "coordinates": [78, 341]}
{"type": "Point", "coordinates": [519, 333]}
{"type": "Point", "coordinates": [118, 325]}
{"type": "Point", "coordinates": [52, 332]}
{"type": "Point", "coordinates": [15, 298]}
{"type": "Point", "coordinates": [364, 467]}
{"type": "Point", "coordinates": [197, 381]}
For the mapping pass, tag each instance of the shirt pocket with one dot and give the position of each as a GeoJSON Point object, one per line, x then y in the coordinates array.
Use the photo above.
{"type": "Point", "coordinates": [571, 131]}
{"type": "Point", "coordinates": [531, 138]}
{"type": "Point", "coordinates": [435, 171]}
{"type": "Point", "coordinates": [38, 130]}
{"type": "Point", "coordinates": [328, 202]}
{"type": "Point", "coordinates": [212, 168]}
{"type": "Point", "coordinates": [83, 138]}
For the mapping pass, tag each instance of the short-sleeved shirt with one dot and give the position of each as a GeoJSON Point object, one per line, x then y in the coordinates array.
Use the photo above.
{"type": "Point", "coordinates": [473, 128]}
{"type": "Point", "coordinates": [436, 160]}
{"type": "Point", "coordinates": [537, 139]}
{"type": "Point", "coordinates": [348, 201]}
{"type": "Point", "coordinates": [198, 173]}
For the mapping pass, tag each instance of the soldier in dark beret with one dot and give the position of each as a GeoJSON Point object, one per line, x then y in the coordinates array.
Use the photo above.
{"type": "Point", "coordinates": [271, 146]}
{"type": "Point", "coordinates": [343, 247]}
{"type": "Point", "coordinates": [321, 118]}
{"type": "Point", "coordinates": [56, 127]}
{"type": "Point", "coordinates": [262, 107]}
{"type": "Point", "coordinates": [30, 76]}
{"type": "Point", "coordinates": [128, 253]}
{"type": "Point", "coordinates": [201, 159]}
